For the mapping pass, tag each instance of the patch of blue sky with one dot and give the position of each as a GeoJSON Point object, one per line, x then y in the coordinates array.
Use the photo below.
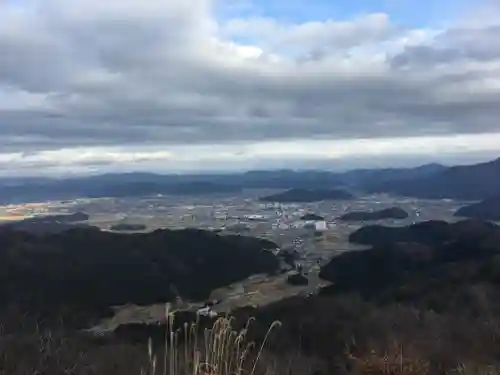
{"type": "Point", "coordinates": [412, 13]}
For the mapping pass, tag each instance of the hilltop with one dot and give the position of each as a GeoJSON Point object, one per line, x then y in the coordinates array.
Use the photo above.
{"type": "Point", "coordinates": [50, 223]}
{"type": "Point", "coordinates": [387, 213]}
{"type": "Point", "coordinates": [402, 253]}
{"type": "Point", "coordinates": [433, 296]}
{"type": "Point", "coordinates": [488, 209]}
{"type": "Point", "coordinates": [93, 269]}
{"type": "Point", "coordinates": [308, 195]}
{"type": "Point", "coordinates": [429, 232]}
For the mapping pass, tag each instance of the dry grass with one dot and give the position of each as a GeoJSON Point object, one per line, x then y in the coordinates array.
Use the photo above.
{"type": "Point", "coordinates": [220, 350]}
{"type": "Point", "coordinates": [189, 350]}
{"type": "Point", "coordinates": [59, 354]}
{"type": "Point", "coordinates": [395, 361]}
{"type": "Point", "coordinates": [477, 370]}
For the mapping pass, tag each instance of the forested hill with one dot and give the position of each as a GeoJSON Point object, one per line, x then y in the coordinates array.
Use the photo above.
{"type": "Point", "coordinates": [93, 268]}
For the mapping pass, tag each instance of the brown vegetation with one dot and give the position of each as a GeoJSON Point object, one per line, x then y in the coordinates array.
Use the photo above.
{"type": "Point", "coordinates": [427, 308]}
{"type": "Point", "coordinates": [217, 350]}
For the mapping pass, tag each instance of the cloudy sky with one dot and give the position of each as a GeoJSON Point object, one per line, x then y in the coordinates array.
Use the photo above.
{"type": "Point", "coordinates": [193, 85]}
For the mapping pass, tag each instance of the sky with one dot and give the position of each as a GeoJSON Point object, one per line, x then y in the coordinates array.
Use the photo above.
{"type": "Point", "coordinates": [89, 86]}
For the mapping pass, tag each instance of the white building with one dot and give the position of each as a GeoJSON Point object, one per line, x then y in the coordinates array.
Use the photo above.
{"type": "Point", "coordinates": [283, 226]}
{"type": "Point", "coordinates": [255, 217]}
{"type": "Point", "coordinates": [206, 311]}
{"type": "Point", "coordinates": [320, 225]}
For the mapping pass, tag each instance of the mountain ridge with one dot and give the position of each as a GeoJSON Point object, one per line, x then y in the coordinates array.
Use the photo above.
{"type": "Point", "coordinates": [464, 182]}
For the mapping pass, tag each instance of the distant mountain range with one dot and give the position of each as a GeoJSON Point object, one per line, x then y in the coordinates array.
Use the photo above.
{"type": "Point", "coordinates": [467, 182]}
{"type": "Point", "coordinates": [470, 182]}
{"type": "Point", "coordinates": [127, 185]}
{"type": "Point", "coordinates": [368, 177]}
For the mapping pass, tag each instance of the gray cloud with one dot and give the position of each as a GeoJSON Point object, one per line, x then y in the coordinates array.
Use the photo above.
{"type": "Point", "coordinates": [453, 46]}
{"type": "Point", "coordinates": [95, 73]}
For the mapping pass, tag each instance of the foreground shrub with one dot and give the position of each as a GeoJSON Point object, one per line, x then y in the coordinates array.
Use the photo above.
{"type": "Point", "coordinates": [220, 350]}
{"type": "Point", "coordinates": [217, 350]}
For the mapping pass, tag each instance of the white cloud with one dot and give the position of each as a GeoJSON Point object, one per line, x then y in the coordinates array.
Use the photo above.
{"type": "Point", "coordinates": [333, 154]}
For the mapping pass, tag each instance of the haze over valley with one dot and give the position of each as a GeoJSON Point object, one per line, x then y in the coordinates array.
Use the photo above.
{"type": "Point", "coordinates": [308, 224]}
